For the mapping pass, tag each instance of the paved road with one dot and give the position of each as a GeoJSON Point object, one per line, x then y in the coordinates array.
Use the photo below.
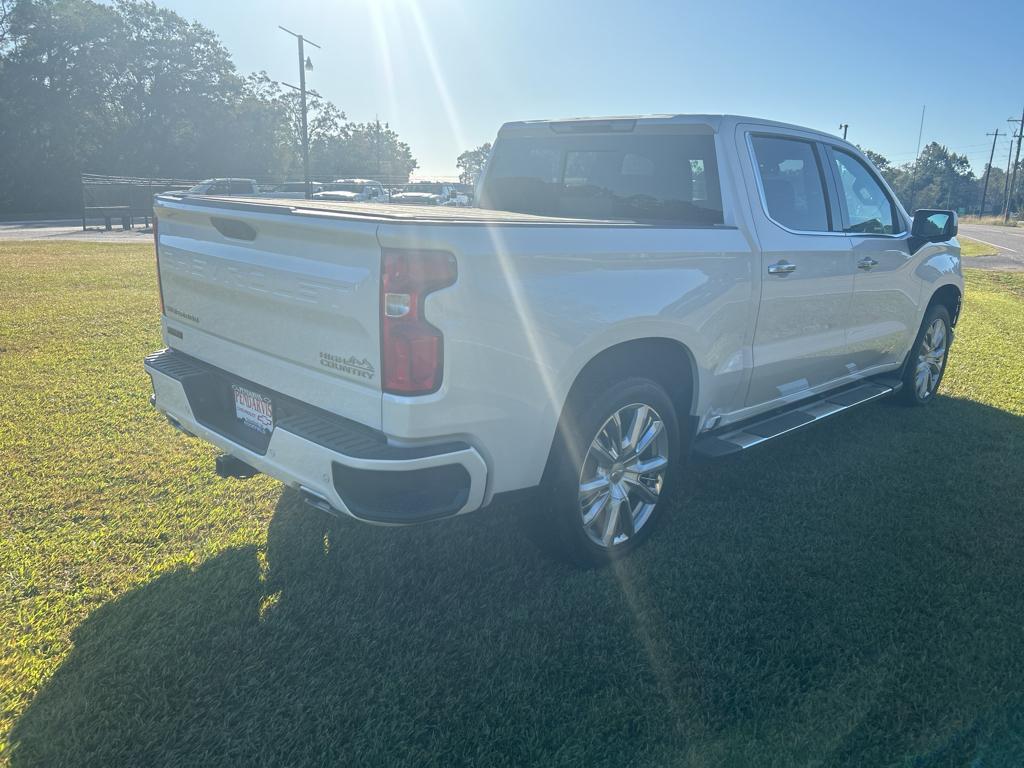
{"type": "Point", "coordinates": [71, 229]}
{"type": "Point", "coordinates": [1008, 240]}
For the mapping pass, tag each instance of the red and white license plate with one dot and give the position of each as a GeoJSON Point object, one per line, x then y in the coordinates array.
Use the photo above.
{"type": "Point", "coordinates": [253, 409]}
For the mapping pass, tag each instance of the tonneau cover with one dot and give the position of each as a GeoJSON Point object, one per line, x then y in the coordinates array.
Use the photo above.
{"type": "Point", "coordinates": [382, 211]}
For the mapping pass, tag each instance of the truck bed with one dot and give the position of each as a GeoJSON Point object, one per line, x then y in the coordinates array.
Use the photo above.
{"type": "Point", "coordinates": [385, 212]}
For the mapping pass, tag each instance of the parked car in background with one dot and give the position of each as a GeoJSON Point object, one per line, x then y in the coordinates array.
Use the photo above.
{"type": "Point", "coordinates": [426, 193]}
{"type": "Point", "coordinates": [354, 191]}
{"type": "Point", "coordinates": [462, 196]}
{"type": "Point", "coordinates": [294, 189]}
{"type": "Point", "coordinates": [630, 291]}
{"type": "Point", "coordinates": [230, 187]}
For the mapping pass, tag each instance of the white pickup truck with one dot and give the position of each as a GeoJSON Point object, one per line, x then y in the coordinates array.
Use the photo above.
{"type": "Point", "coordinates": [631, 292]}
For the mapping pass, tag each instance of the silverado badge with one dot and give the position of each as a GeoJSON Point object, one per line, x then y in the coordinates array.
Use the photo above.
{"type": "Point", "coordinates": [351, 365]}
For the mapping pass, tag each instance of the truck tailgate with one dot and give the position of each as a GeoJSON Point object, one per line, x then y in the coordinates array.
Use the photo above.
{"type": "Point", "coordinates": [288, 301]}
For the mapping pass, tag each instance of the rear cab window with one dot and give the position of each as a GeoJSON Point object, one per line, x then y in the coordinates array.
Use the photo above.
{"type": "Point", "coordinates": [665, 178]}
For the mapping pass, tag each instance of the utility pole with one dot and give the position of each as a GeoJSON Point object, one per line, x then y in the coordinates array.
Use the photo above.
{"type": "Point", "coordinates": [1016, 162]}
{"type": "Point", "coordinates": [376, 143]}
{"type": "Point", "coordinates": [844, 126]}
{"type": "Point", "coordinates": [1006, 176]}
{"type": "Point", "coordinates": [304, 64]}
{"type": "Point", "coordinates": [988, 170]}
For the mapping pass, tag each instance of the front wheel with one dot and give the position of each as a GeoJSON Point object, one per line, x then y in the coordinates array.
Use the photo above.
{"type": "Point", "coordinates": [928, 357]}
{"type": "Point", "coordinates": [612, 470]}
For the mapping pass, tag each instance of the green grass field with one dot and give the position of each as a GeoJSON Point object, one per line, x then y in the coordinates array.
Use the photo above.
{"type": "Point", "coordinates": [970, 247]}
{"type": "Point", "coordinates": [848, 596]}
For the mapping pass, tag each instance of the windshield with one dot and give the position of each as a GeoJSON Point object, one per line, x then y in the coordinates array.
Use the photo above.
{"type": "Point", "coordinates": [645, 177]}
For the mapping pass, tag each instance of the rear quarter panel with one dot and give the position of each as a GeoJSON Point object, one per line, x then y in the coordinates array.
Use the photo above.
{"type": "Point", "coordinates": [533, 304]}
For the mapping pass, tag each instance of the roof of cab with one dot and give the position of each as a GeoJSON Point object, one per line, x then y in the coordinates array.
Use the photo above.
{"type": "Point", "coordinates": [716, 123]}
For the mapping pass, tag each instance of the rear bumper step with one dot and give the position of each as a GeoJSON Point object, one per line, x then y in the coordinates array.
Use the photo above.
{"type": "Point", "coordinates": [735, 438]}
{"type": "Point", "coordinates": [337, 464]}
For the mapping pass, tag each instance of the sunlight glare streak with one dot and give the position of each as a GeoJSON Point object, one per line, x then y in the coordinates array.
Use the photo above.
{"type": "Point", "coordinates": [646, 635]}
{"type": "Point", "coordinates": [529, 328]}
{"type": "Point", "coordinates": [435, 70]}
{"type": "Point", "coordinates": [380, 34]}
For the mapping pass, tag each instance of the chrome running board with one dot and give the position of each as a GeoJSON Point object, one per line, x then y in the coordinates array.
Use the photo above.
{"type": "Point", "coordinates": [734, 438]}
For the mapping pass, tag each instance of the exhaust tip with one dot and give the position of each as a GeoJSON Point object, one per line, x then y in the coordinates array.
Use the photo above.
{"type": "Point", "coordinates": [316, 501]}
{"type": "Point", "coordinates": [232, 466]}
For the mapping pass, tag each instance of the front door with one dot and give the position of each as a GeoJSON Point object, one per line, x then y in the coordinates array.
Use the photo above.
{"type": "Point", "coordinates": [807, 272]}
{"type": "Point", "coordinates": [883, 311]}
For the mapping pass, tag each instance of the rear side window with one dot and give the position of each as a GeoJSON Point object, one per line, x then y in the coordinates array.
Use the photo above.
{"type": "Point", "coordinates": [240, 187]}
{"type": "Point", "coordinates": [793, 183]}
{"type": "Point", "coordinates": [661, 178]}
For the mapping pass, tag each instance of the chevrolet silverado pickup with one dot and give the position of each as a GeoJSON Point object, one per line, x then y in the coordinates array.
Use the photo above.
{"type": "Point", "coordinates": [631, 294]}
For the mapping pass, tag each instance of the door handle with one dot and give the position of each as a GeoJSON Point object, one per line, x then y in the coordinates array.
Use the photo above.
{"type": "Point", "coordinates": [866, 263]}
{"type": "Point", "coordinates": [781, 268]}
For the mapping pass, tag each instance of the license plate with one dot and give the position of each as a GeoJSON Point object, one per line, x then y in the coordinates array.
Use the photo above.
{"type": "Point", "coordinates": [253, 409]}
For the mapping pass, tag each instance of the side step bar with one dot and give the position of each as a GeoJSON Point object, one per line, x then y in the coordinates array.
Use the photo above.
{"type": "Point", "coordinates": [739, 437]}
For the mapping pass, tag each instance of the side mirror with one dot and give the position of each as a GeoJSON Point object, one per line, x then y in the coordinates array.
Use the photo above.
{"type": "Point", "coordinates": [932, 226]}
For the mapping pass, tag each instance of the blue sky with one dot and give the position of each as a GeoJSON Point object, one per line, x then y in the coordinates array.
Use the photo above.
{"type": "Point", "coordinates": [446, 74]}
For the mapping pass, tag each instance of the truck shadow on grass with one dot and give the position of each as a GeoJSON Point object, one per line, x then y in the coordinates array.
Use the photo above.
{"type": "Point", "coordinates": [851, 595]}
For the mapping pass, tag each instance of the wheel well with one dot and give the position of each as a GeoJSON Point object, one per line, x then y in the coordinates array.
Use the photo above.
{"type": "Point", "coordinates": [948, 296]}
{"type": "Point", "coordinates": [666, 361]}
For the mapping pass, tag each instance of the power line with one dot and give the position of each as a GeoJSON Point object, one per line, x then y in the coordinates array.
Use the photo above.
{"type": "Point", "coordinates": [951, 148]}
{"type": "Point", "coordinates": [917, 158]}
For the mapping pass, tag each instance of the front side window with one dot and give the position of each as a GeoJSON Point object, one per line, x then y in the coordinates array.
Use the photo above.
{"type": "Point", "coordinates": [669, 178]}
{"type": "Point", "coordinates": [794, 188]}
{"type": "Point", "coordinates": [868, 209]}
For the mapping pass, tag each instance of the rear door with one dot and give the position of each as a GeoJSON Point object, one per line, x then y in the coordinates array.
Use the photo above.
{"type": "Point", "coordinates": [886, 293]}
{"type": "Point", "coordinates": [807, 273]}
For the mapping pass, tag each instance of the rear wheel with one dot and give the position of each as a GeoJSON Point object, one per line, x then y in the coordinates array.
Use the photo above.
{"type": "Point", "coordinates": [927, 362]}
{"type": "Point", "coordinates": [613, 468]}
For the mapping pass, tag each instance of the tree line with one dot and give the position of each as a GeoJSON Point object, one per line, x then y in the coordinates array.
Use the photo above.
{"type": "Point", "coordinates": [133, 89]}
{"type": "Point", "coordinates": [940, 178]}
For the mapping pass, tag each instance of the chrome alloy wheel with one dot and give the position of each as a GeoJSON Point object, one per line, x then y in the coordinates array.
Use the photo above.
{"type": "Point", "coordinates": [930, 359]}
{"type": "Point", "coordinates": [623, 474]}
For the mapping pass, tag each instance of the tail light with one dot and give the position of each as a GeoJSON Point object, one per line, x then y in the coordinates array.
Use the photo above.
{"type": "Point", "coordinates": [412, 350]}
{"type": "Point", "coordinates": [156, 248]}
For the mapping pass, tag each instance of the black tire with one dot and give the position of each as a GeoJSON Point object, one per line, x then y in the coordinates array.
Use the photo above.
{"type": "Point", "coordinates": [912, 393]}
{"type": "Point", "coordinates": [557, 525]}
